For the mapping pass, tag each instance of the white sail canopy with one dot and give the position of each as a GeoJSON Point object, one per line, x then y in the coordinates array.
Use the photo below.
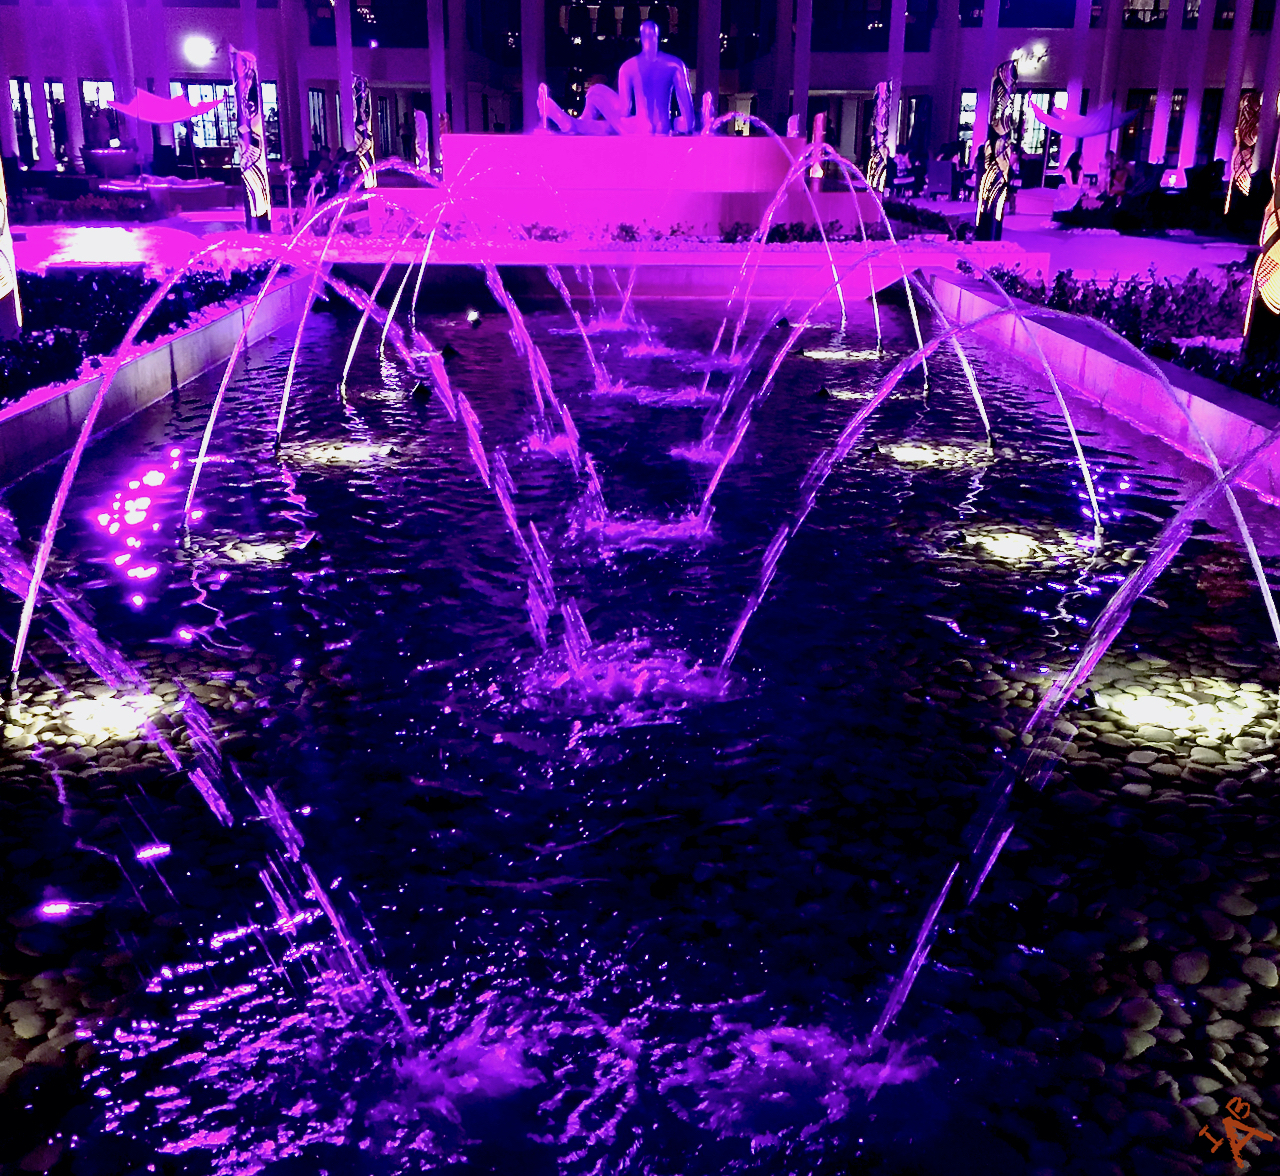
{"type": "Point", "coordinates": [1081, 126]}
{"type": "Point", "coordinates": [154, 109]}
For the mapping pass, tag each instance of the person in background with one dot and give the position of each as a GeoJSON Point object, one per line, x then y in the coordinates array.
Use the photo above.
{"type": "Point", "coordinates": [1069, 193]}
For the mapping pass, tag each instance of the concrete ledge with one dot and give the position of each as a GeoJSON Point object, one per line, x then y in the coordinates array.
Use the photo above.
{"type": "Point", "coordinates": [45, 423]}
{"type": "Point", "coordinates": [1092, 364]}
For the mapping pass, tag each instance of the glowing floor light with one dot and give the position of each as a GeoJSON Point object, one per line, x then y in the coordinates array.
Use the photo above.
{"type": "Point", "coordinates": [113, 717]}
{"type": "Point", "coordinates": [1008, 545]}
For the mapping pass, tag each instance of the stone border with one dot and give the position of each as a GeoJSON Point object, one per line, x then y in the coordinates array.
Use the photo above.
{"type": "Point", "coordinates": [1089, 362]}
{"type": "Point", "coordinates": [45, 423]}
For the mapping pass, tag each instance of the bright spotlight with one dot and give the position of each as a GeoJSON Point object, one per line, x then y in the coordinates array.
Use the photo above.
{"type": "Point", "coordinates": [1009, 545]}
{"type": "Point", "coordinates": [114, 717]}
{"type": "Point", "coordinates": [914, 453]}
{"type": "Point", "coordinates": [198, 49]}
{"type": "Point", "coordinates": [1153, 711]}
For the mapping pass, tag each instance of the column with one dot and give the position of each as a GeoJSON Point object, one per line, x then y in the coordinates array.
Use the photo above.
{"type": "Point", "coordinates": [8, 128]}
{"type": "Point", "coordinates": [708, 54]}
{"type": "Point", "coordinates": [1079, 58]}
{"type": "Point", "coordinates": [435, 63]}
{"type": "Point", "coordinates": [897, 51]}
{"type": "Point", "coordinates": [782, 61]}
{"type": "Point", "coordinates": [1267, 114]}
{"type": "Point", "coordinates": [1164, 83]}
{"type": "Point", "coordinates": [533, 56]}
{"type": "Point", "coordinates": [346, 101]}
{"type": "Point", "coordinates": [1114, 14]}
{"type": "Point", "coordinates": [249, 26]}
{"type": "Point", "coordinates": [803, 58]}
{"type": "Point", "coordinates": [947, 91]}
{"type": "Point", "coordinates": [1231, 89]}
{"type": "Point", "coordinates": [457, 51]}
{"type": "Point", "coordinates": [1195, 88]}
{"type": "Point", "coordinates": [287, 90]}
{"type": "Point", "coordinates": [986, 66]}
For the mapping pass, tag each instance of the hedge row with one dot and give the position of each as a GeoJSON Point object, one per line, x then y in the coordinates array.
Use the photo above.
{"type": "Point", "coordinates": [69, 318]}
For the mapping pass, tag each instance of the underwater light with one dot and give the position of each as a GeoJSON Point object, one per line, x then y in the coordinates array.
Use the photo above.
{"type": "Point", "coordinates": [150, 852]}
{"type": "Point", "coordinates": [244, 553]}
{"type": "Point", "coordinates": [152, 478]}
{"type": "Point", "coordinates": [916, 453]}
{"type": "Point", "coordinates": [55, 910]}
{"type": "Point", "coordinates": [1232, 710]}
{"type": "Point", "coordinates": [473, 316]}
{"type": "Point", "coordinates": [1152, 710]}
{"type": "Point", "coordinates": [850, 356]}
{"type": "Point", "coordinates": [341, 453]}
{"type": "Point", "coordinates": [1009, 545]}
{"type": "Point", "coordinates": [112, 717]}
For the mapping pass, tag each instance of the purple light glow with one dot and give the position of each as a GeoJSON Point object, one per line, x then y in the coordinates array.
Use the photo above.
{"type": "Point", "coordinates": [55, 910]}
{"type": "Point", "coordinates": [137, 601]}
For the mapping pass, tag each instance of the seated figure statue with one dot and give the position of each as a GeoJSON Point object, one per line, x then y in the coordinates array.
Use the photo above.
{"type": "Point", "coordinates": [645, 81]}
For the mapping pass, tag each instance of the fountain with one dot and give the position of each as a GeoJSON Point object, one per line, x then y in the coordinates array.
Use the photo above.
{"type": "Point", "coordinates": [424, 764]}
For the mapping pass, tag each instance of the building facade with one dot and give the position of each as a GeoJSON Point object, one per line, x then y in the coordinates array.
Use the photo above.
{"type": "Point", "coordinates": [1182, 65]}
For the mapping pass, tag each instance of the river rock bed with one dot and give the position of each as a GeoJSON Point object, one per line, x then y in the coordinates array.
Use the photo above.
{"type": "Point", "coordinates": [742, 884]}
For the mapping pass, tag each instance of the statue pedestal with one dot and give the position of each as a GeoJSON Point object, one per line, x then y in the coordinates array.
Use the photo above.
{"type": "Point", "coordinates": [505, 185]}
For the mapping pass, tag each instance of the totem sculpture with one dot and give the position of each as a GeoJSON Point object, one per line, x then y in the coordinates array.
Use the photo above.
{"type": "Point", "coordinates": [421, 140]}
{"type": "Point", "coordinates": [878, 160]}
{"type": "Point", "coordinates": [365, 174]}
{"type": "Point", "coordinates": [253, 143]}
{"type": "Point", "coordinates": [1245, 143]}
{"type": "Point", "coordinates": [10, 306]}
{"type": "Point", "coordinates": [996, 161]}
{"type": "Point", "coordinates": [1262, 316]}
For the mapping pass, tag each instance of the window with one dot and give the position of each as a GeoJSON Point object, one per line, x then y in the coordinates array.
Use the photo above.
{"type": "Point", "coordinates": [101, 123]}
{"type": "Point", "coordinates": [1210, 112]}
{"type": "Point", "coordinates": [1146, 14]}
{"type": "Point", "coordinates": [214, 128]}
{"type": "Point", "coordinates": [971, 14]}
{"type": "Point", "coordinates": [968, 112]}
{"type": "Point", "coordinates": [1264, 15]}
{"type": "Point", "coordinates": [1224, 14]}
{"type": "Point", "coordinates": [1135, 138]}
{"type": "Point", "coordinates": [1037, 14]}
{"type": "Point", "coordinates": [1177, 116]}
{"type": "Point", "coordinates": [1191, 14]}
{"type": "Point", "coordinates": [55, 99]}
{"type": "Point", "coordinates": [1029, 133]}
{"type": "Point", "coordinates": [855, 26]}
{"type": "Point", "coordinates": [317, 108]}
{"type": "Point", "coordinates": [386, 125]}
{"type": "Point", "coordinates": [921, 17]}
{"type": "Point", "coordinates": [24, 119]}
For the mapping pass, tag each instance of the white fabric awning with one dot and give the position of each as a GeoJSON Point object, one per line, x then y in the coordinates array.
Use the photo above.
{"type": "Point", "coordinates": [153, 109]}
{"type": "Point", "coordinates": [1081, 126]}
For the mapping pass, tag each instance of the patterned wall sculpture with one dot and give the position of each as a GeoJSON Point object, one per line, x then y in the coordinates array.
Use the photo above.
{"type": "Point", "coordinates": [253, 143]}
{"type": "Point", "coordinates": [878, 160]}
{"type": "Point", "coordinates": [1262, 317]}
{"type": "Point", "coordinates": [1245, 142]}
{"type": "Point", "coordinates": [996, 160]}
{"type": "Point", "coordinates": [365, 175]}
{"type": "Point", "coordinates": [10, 307]}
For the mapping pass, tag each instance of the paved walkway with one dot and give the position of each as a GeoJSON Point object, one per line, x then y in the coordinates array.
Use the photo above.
{"type": "Point", "coordinates": [1099, 253]}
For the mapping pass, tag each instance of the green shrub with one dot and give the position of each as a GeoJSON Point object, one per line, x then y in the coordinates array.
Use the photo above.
{"type": "Point", "coordinates": [70, 317]}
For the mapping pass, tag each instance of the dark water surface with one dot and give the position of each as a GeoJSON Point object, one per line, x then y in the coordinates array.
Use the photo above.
{"type": "Point", "coordinates": [637, 934]}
